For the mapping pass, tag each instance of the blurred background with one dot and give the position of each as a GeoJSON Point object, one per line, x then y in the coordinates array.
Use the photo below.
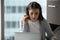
{"type": "Point", "coordinates": [13, 13]}
{"type": "Point", "coordinates": [15, 9]}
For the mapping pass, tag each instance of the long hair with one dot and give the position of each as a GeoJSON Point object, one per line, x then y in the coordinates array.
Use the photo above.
{"type": "Point", "coordinates": [35, 5]}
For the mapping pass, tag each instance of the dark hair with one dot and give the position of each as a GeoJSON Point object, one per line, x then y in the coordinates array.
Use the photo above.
{"type": "Point", "coordinates": [35, 5]}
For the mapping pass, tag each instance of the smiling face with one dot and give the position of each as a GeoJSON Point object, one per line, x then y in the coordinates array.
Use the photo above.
{"type": "Point", "coordinates": [34, 14]}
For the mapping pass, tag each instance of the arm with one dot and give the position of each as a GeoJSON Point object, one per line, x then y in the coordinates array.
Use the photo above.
{"type": "Point", "coordinates": [24, 27]}
{"type": "Point", "coordinates": [48, 30]}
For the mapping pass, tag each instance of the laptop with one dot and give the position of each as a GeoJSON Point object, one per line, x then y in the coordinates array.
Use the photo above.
{"type": "Point", "coordinates": [27, 36]}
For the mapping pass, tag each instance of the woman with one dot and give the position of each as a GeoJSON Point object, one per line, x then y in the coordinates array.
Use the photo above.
{"type": "Point", "coordinates": [33, 21]}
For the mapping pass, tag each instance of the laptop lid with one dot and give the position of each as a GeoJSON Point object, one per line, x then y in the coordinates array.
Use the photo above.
{"type": "Point", "coordinates": [27, 36]}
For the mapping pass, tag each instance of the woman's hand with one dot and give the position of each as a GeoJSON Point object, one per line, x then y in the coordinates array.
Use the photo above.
{"type": "Point", "coordinates": [54, 38]}
{"type": "Point", "coordinates": [25, 19]}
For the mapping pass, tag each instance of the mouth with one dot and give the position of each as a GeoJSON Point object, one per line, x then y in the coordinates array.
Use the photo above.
{"type": "Point", "coordinates": [33, 18]}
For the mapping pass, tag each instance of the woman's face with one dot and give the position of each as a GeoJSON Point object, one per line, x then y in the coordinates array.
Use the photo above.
{"type": "Point", "coordinates": [34, 14]}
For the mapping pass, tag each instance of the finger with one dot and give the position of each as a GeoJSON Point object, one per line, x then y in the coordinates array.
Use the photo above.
{"type": "Point", "coordinates": [26, 16]}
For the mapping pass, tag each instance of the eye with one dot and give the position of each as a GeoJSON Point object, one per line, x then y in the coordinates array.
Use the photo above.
{"type": "Point", "coordinates": [36, 13]}
{"type": "Point", "coordinates": [31, 13]}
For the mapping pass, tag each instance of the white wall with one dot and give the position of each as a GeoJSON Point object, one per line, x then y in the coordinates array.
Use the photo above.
{"type": "Point", "coordinates": [0, 19]}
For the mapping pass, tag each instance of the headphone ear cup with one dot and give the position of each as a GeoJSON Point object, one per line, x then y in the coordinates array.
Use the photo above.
{"type": "Point", "coordinates": [27, 12]}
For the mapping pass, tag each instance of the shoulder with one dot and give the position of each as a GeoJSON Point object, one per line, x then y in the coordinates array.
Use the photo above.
{"type": "Point", "coordinates": [44, 21]}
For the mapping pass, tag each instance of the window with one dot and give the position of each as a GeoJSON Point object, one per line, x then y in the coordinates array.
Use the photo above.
{"type": "Point", "coordinates": [13, 9]}
{"type": "Point", "coordinates": [8, 9]}
{"type": "Point", "coordinates": [18, 24]}
{"type": "Point", "coordinates": [10, 38]}
{"type": "Point", "coordinates": [24, 9]}
{"type": "Point", "coordinates": [5, 24]}
{"type": "Point", "coordinates": [13, 25]}
{"type": "Point", "coordinates": [19, 9]}
{"type": "Point", "coordinates": [8, 24]}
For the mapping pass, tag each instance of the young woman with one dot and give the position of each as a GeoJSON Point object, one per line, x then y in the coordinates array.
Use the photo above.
{"type": "Point", "coordinates": [33, 21]}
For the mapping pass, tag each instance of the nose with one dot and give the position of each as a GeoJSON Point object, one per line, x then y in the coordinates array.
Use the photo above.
{"type": "Point", "coordinates": [33, 15]}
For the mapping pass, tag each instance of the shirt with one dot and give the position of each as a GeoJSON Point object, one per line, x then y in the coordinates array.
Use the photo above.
{"type": "Point", "coordinates": [34, 26]}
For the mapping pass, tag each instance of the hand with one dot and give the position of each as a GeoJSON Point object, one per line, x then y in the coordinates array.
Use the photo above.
{"type": "Point", "coordinates": [54, 38]}
{"type": "Point", "coordinates": [25, 19]}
